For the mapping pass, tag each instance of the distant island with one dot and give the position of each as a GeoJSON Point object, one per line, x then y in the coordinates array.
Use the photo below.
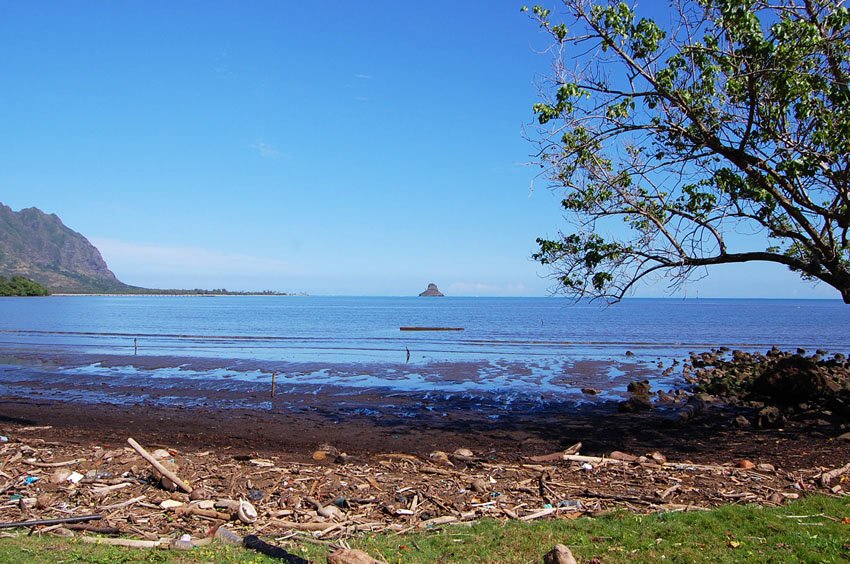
{"type": "Point", "coordinates": [432, 291]}
{"type": "Point", "coordinates": [39, 253]}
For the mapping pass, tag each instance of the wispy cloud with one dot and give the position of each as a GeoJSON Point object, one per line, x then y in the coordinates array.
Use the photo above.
{"type": "Point", "coordinates": [159, 259]}
{"type": "Point", "coordinates": [364, 76]}
{"type": "Point", "coordinates": [266, 150]}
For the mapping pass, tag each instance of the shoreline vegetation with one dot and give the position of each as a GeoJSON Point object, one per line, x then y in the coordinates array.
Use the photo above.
{"type": "Point", "coordinates": [18, 286]}
{"type": "Point", "coordinates": [185, 293]}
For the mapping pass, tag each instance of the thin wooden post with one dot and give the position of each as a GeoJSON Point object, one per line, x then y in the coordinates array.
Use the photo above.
{"type": "Point", "coordinates": [274, 378]}
{"type": "Point", "coordinates": [135, 346]}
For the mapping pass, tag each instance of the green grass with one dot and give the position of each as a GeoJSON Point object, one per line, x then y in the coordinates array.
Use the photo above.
{"type": "Point", "coordinates": [728, 534]}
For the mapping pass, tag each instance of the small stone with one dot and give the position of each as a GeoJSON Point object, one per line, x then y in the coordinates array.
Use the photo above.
{"type": "Point", "coordinates": [171, 504]}
{"type": "Point", "coordinates": [463, 454]}
{"type": "Point", "coordinates": [161, 454]}
{"type": "Point", "coordinates": [479, 486]}
{"type": "Point", "coordinates": [777, 498]}
{"type": "Point", "coordinates": [590, 391]}
{"type": "Point", "coordinates": [350, 556]}
{"type": "Point", "coordinates": [60, 475]}
{"type": "Point", "coordinates": [440, 457]}
{"type": "Point", "coordinates": [843, 437]}
{"type": "Point", "coordinates": [658, 458]}
{"type": "Point", "coordinates": [765, 467]}
{"type": "Point", "coordinates": [198, 494]}
{"type": "Point", "coordinates": [560, 554]}
{"type": "Point", "coordinates": [742, 422]}
{"type": "Point", "coordinates": [746, 464]}
{"type": "Point", "coordinates": [622, 456]}
{"type": "Point", "coordinates": [44, 501]}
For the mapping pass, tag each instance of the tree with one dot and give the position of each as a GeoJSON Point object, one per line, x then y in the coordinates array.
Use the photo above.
{"type": "Point", "coordinates": [670, 141]}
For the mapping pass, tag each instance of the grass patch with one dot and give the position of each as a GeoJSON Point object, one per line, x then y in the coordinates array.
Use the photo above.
{"type": "Point", "coordinates": [729, 534]}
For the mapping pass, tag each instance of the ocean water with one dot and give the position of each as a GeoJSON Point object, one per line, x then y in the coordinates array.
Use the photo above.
{"type": "Point", "coordinates": [185, 350]}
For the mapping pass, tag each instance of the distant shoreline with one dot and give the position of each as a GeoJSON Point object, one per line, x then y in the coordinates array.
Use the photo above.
{"type": "Point", "coordinates": [184, 295]}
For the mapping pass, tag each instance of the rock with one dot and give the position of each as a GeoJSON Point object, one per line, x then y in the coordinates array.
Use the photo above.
{"type": "Point", "coordinates": [161, 454]}
{"type": "Point", "coordinates": [431, 291]}
{"type": "Point", "coordinates": [560, 554]}
{"type": "Point", "coordinates": [795, 379]}
{"type": "Point", "coordinates": [765, 467]}
{"type": "Point", "coordinates": [171, 504]}
{"type": "Point", "coordinates": [746, 464]}
{"type": "Point", "coordinates": [350, 556]}
{"type": "Point", "coordinates": [440, 457]}
{"type": "Point", "coordinates": [60, 475]}
{"type": "Point", "coordinates": [742, 422]}
{"type": "Point", "coordinates": [622, 456]}
{"type": "Point", "coordinates": [844, 437]}
{"type": "Point", "coordinates": [770, 417]}
{"type": "Point", "coordinates": [658, 458]}
{"type": "Point", "coordinates": [590, 391]}
{"type": "Point", "coordinates": [777, 498]}
{"type": "Point", "coordinates": [199, 494]}
{"type": "Point", "coordinates": [463, 454]}
{"type": "Point", "coordinates": [479, 486]}
{"type": "Point", "coordinates": [628, 353]}
{"type": "Point", "coordinates": [640, 400]}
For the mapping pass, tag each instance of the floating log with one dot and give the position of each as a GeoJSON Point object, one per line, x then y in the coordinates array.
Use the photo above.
{"type": "Point", "coordinates": [430, 328]}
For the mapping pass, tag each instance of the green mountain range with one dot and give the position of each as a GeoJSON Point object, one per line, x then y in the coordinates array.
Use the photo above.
{"type": "Point", "coordinates": [38, 246]}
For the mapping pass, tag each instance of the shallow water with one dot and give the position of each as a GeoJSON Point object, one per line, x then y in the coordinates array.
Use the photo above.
{"type": "Point", "coordinates": [512, 351]}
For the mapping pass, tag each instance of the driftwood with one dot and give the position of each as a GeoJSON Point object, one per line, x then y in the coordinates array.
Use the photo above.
{"type": "Point", "coordinates": [694, 407]}
{"type": "Point", "coordinates": [827, 477]}
{"type": "Point", "coordinates": [162, 469]}
{"type": "Point", "coordinates": [55, 464]}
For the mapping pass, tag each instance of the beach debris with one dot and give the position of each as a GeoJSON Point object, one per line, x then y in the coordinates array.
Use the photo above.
{"type": "Point", "coordinates": [47, 522]}
{"type": "Point", "coordinates": [350, 556]}
{"type": "Point", "coordinates": [310, 501]}
{"type": "Point", "coordinates": [246, 512]}
{"type": "Point", "coordinates": [560, 554]}
{"type": "Point", "coordinates": [254, 542]}
{"type": "Point", "coordinates": [167, 474]}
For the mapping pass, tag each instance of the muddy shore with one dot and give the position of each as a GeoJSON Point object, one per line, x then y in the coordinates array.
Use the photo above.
{"type": "Point", "coordinates": [710, 438]}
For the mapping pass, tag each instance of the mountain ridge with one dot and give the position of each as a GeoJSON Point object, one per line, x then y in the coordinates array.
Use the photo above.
{"type": "Point", "coordinates": [40, 247]}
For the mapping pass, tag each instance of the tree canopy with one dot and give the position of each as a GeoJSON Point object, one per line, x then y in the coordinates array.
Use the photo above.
{"type": "Point", "coordinates": [20, 286]}
{"type": "Point", "coordinates": [670, 140]}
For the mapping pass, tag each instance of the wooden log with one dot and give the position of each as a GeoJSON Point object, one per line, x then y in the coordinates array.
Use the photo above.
{"type": "Point", "coordinates": [827, 477]}
{"type": "Point", "coordinates": [162, 469]}
{"type": "Point", "coordinates": [311, 526]}
{"type": "Point", "coordinates": [122, 504]}
{"type": "Point", "coordinates": [691, 409]}
{"type": "Point", "coordinates": [55, 464]}
{"type": "Point", "coordinates": [538, 514]}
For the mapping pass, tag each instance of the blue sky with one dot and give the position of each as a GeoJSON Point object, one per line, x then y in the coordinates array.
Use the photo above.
{"type": "Point", "coordinates": [354, 148]}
